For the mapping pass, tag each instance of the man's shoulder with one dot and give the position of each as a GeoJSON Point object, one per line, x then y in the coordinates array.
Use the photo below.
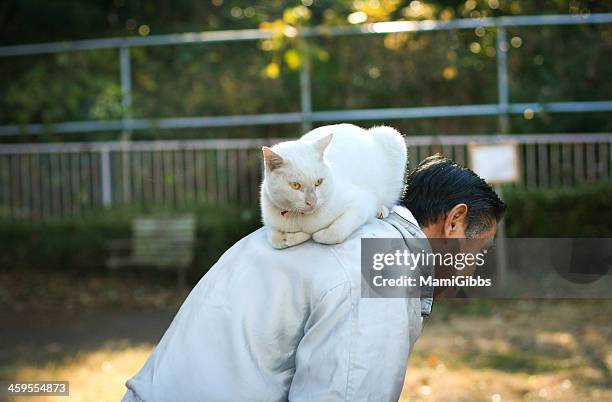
{"type": "Point", "coordinates": [375, 228]}
{"type": "Point", "coordinates": [256, 244]}
{"type": "Point", "coordinates": [309, 263]}
{"type": "Point", "coordinates": [347, 255]}
{"type": "Point", "coordinates": [309, 266]}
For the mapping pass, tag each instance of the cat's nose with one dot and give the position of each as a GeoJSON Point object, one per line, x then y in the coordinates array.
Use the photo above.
{"type": "Point", "coordinates": [311, 203]}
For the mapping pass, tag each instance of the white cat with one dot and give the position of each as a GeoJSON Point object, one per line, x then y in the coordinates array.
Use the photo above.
{"type": "Point", "coordinates": [330, 182]}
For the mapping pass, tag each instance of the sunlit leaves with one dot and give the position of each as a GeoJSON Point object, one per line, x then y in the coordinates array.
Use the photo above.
{"type": "Point", "coordinates": [419, 10]}
{"type": "Point", "coordinates": [276, 26]}
{"type": "Point", "coordinates": [296, 15]}
{"type": "Point", "coordinates": [449, 73]}
{"type": "Point", "coordinates": [293, 59]}
{"type": "Point", "coordinates": [395, 41]}
{"type": "Point", "coordinates": [377, 10]}
{"type": "Point", "coordinates": [284, 39]}
{"type": "Point", "coordinates": [358, 17]}
{"type": "Point", "coordinates": [272, 70]}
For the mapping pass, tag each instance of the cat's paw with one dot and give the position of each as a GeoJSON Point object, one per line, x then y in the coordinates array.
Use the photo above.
{"type": "Point", "coordinates": [382, 212]}
{"type": "Point", "coordinates": [280, 240]}
{"type": "Point", "coordinates": [293, 239]}
{"type": "Point", "coordinates": [328, 236]}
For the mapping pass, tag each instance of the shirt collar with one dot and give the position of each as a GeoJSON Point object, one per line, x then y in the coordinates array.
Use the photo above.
{"type": "Point", "coordinates": [405, 214]}
{"type": "Point", "coordinates": [427, 291]}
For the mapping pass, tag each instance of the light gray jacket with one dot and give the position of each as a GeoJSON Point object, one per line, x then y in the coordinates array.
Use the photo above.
{"type": "Point", "coordinates": [277, 325]}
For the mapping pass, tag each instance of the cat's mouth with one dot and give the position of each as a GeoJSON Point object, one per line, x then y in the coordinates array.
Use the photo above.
{"type": "Point", "coordinates": [303, 211]}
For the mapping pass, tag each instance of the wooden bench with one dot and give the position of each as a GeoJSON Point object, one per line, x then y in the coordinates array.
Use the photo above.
{"type": "Point", "coordinates": [164, 242]}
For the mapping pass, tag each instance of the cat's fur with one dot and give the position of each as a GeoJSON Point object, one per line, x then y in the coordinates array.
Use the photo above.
{"type": "Point", "coordinates": [363, 176]}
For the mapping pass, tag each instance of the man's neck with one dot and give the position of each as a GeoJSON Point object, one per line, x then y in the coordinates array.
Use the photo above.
{"type": "Point", "coordinates": [432, 231]}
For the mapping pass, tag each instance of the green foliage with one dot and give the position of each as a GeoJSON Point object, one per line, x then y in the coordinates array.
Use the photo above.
{"type": "Point", "coordinates": [80, 245]}
{"type": "Point", "coordinates": [388, 70]}
{"type": "Point", "coordinates": [64, 87]}
{"type": "Point", "coordinates": [196, 81]}
{"type": "Point", "coordinates": [562, 212]}
{"type": "Point", "coordinates": [517, 361]}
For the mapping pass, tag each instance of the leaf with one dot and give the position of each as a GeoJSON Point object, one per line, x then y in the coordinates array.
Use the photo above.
{"type": "Point", "coordinates": [293, 59]}
{"type": "Point", "coordinates": [272, 70]}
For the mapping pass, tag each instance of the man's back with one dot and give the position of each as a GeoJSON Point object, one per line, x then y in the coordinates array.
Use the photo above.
{"type": "Point", "coordinates": [266, 324]}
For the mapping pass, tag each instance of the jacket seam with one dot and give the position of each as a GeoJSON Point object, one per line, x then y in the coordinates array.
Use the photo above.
{"type": "Point", "coordinates": [349, 370]}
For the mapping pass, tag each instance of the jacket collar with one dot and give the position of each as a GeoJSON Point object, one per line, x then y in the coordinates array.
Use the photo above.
{"type": "Point", "coordinates": [404, 213]}
{"type": "Point", "coordinates": [412, 226]}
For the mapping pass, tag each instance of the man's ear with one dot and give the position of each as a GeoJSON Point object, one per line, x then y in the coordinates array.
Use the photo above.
{"type": "Point", "coordinates": [321, 145]}
{"type": "Point", "coordinates": [456, 221]}
{"type": "Point", "coordinates": [272, 159]}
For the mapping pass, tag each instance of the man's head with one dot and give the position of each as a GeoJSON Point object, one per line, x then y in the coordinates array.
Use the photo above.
{"type": "Point", "coordinates": [450, 201]}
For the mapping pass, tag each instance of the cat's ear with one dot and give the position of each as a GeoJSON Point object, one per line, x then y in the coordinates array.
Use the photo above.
{"type": "Point", "coordinates": [321, 144]}
{"type": "Point", "coordinates": [272, 159]}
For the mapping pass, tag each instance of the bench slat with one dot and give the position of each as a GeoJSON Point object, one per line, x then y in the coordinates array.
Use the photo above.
{"type": "Point", "coordinates": [161, 242]}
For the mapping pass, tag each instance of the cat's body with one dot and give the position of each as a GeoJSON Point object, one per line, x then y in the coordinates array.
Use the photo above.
{"type": "Point", "coordinates": [325, 190]}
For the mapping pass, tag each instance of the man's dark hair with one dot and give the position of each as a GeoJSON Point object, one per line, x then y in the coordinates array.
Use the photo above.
{"type": "Point", "coordinates": [438, 184]}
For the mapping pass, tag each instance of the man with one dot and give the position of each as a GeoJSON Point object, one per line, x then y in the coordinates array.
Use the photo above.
{"type": "Point", "coordinates": [272, 325]}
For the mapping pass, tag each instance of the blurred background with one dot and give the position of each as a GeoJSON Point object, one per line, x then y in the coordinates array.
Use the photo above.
{"type": "Point", "coordinates": [129, 162]}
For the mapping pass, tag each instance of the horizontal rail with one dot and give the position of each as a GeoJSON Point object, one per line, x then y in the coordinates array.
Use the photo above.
{"type": "Point", "coordinates": [258, 34]}
{"type": "Point", "coordinates": [296, 117]}
{"type": "Point", "coordinates": [459, 111]}
{"type": "Point", "coordinates": [462, 23]}
{"type": "Point", "coordinates": [154, 40]}
{"type": "Point", "coordinates": [159, 145]}
{"type": "Point", "coordinates": [573, 138]}
{"type": "Point", "coordinates": [250, 143]}
{"type": "Point", "coordinates": [144, 124]}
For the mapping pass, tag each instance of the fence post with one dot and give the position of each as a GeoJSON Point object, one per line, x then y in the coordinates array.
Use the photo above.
{"type": "Point", "coordinates": [105, 168]}
{"type": "Point", "coordinates": [502, 80]}
{"type": "Point", "coordinates": [126, 102]}
{"type": "Point", "coordinates": [504, 128]}
{"type": "Point", "coordinates": [305, 89]}
{"type": "Point", "coordinates": [126, 84]}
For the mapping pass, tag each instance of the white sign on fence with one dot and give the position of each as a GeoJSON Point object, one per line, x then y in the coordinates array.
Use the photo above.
{"type": "Point", "coordinates": [496, 163]}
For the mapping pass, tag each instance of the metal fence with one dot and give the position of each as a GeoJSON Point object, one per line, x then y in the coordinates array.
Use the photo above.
{"type": "Point", "coordinates": [68, 179]}
{"type": "Point", "coordinates": [307, 116]}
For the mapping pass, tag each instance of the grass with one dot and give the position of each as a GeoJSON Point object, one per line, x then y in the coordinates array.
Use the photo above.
{"type": "Point", "coordinates": [94, 376]}
{"type": "Point", "coordinates": [513, 351]}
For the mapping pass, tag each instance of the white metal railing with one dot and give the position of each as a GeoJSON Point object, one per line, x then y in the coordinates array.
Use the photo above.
{"type": "Point", "coordinates": [68, 179]}
{"type": "Point", "coordinates": [306, 116]}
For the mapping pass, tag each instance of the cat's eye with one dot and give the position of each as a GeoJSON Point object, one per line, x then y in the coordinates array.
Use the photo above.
{"type": "Point", "coordinates": [295, 185]}
{"type": "Point", "coordinates": [318, 182]}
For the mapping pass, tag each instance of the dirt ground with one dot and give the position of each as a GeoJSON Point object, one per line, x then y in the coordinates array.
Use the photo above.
{"type": "Point", "coordinates": [469, 350]}
{"type": "Point", "coordinates": [513, 351]}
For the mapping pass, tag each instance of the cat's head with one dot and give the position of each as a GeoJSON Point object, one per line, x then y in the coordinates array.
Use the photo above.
{"type": "Point", "coordinates": [297, 178]}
